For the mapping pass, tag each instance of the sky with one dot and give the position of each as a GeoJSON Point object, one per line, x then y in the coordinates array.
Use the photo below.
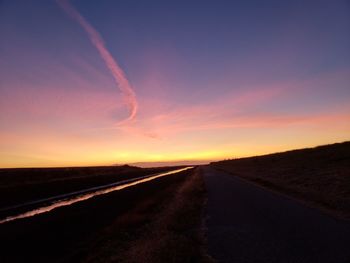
{"type": "Point", "coordinates": [113, 82]}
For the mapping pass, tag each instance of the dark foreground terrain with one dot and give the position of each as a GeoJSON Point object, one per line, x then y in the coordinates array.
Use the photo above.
{"type": "Point", "coordinates": [319, 176]}
{"type": "Point", "coordinates": [21, 185]}
{"type": "Point", "coordinates": [157, 221]}
{"type": "Point", "coordinates": [161, 220]}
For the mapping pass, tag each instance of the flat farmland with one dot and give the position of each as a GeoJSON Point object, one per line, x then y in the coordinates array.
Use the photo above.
{"type": "Point", "coordinates": [109, 226]}
{"type": "Point", "coordinates": [22, 185]}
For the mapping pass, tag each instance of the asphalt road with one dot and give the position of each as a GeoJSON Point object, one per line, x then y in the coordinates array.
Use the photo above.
{"type": "Point", "coordinates": [247, 223]}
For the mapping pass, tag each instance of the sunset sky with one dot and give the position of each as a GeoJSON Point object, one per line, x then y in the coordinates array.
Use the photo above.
{"type": "Point", "coordinates": [198, 80]}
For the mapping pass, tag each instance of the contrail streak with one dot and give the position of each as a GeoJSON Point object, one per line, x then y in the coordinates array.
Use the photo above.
{"type": "Point", "coordinates": [117, 72]}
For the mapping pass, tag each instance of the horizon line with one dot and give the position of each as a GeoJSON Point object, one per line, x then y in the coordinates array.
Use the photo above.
{"type": "Point", "coordinates": [204, 161]}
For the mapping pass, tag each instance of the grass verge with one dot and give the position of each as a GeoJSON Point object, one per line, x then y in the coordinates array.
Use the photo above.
{"type": "Point", "coordinates": [172, 233]}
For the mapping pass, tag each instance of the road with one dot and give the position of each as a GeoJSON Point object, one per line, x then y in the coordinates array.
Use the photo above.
{"type": "Point", "coordinates": [247, 223]}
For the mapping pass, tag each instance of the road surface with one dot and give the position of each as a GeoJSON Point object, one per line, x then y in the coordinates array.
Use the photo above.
{"type": "Point", "coordinates": [247, 223]}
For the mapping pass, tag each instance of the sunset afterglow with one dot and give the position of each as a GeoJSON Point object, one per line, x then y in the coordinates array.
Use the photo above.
{"type": "Point", "coordinates": [114, 82]}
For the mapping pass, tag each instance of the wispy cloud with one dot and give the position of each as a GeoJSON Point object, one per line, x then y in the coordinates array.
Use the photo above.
{"type": "Point", "coordinates": [117, 72]}
{"type": "Point", "coordinates": [243, 110]}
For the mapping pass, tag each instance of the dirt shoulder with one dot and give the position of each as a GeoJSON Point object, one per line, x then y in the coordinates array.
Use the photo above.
{"type": "Point", "coordinates": [319, 177]}
{"type": "Point", "coordinates": [172, 234]}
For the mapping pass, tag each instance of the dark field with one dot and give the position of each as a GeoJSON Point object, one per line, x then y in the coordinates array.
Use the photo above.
{"type": "Point", "coordinates": [27, 184]}
{"type": "Point", "coordinates": [148, 222]}
{"type": "Point", "coordinates": [318, 176]}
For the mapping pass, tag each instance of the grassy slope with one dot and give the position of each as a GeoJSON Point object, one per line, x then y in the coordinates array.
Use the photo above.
{"type": "Point", "coordinates": [319, 176]}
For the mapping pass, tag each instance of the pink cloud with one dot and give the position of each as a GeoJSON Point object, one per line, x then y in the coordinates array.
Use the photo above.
{"type": "Point", "coordinates": [234, 111]}
{"type": "Point", "coordinates": [117, 72]}
{"type": "Point", "coordinates": [161, 119]}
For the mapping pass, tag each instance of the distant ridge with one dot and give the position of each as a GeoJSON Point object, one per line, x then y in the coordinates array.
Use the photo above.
{"type": "Point", "coordinates": [162, 164]}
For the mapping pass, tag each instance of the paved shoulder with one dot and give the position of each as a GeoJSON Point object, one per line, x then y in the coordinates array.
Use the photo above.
{"type": "Point", "coordinates": [249, 224]}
